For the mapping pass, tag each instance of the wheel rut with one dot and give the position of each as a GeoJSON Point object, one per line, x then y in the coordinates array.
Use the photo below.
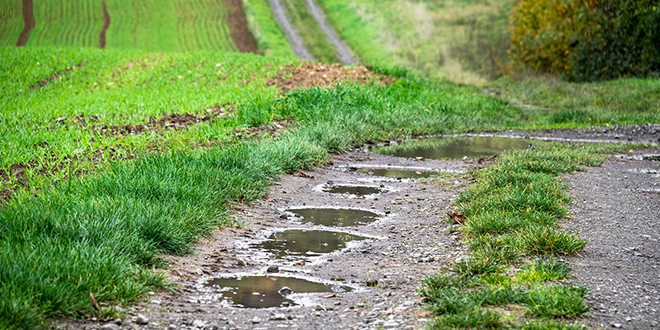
{"type": "Point", "coordinates": [295, 40]}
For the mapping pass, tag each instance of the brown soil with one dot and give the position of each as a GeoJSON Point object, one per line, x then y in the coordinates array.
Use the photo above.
{"type": "Point", "coordinates": [165, 122]}
{"type": "Point", "coordinates": [322, 75]}
{"type": "Point", "coordinates": [238, 27]}
{"type": "Point", "coordinates": [106, 25]}
{"type": "Point", "coordinates": [28, 19]}
{"type": "Point", "coordinates": [53, 76]}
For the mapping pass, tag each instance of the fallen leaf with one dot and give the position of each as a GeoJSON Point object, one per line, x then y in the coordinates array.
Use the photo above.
{"type": "Point", "coordinates": [456, 216]}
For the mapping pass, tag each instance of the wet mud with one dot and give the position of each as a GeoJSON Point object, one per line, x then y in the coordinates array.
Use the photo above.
{"type": "Point", "coordinates": [238, 27]}
{"type": "Point", "coordinates": [397, 173]}
{"type": "Point", "coordinates": [28, 20]}
{"type": "Point", "coordinates": [356, 191]}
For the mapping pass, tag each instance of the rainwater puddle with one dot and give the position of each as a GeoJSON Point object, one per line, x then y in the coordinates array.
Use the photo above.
{"type": "Point", "coordinates": [352, 190]}
{"type": "Point", "coordinates": [267, 291]}
{"type": "Point", "coordinates": [335, 217]}
{"type": "Point", "coordinates": [395, 173]}
{"type": "Point", "coordinates": [296, 243]}
{"type": "Point", "coordinates": [452, 147]}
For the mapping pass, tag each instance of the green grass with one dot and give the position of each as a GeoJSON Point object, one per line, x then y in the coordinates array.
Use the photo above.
{"type": "Point", "coordinates": [308, 28]}
{"type": "Point", "coordinates": [118, 88]}
{"type": "Point", "coordinates": [270, 37]}
{"type": "Point", "coordinates": [621, 101]}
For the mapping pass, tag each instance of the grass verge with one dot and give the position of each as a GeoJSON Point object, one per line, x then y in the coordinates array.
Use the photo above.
{"type": "Point", "coordinates": [269, 35]}
{"type": "Point", "coordinates": [512, 278]}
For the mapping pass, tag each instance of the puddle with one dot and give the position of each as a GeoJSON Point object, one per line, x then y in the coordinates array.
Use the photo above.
{"type": "Point", "coordinates": [264, 291]}
{"type": "Point", "coordinates": [395, 173]}
{"type": "Point", "coordinates": [295, 243]}
{"type": "Point", "coordinates": [452, 147]}
{"type": "Point", "coordinates": [335, 217]}
{"type": "Point", "coordinates": [352, 190]}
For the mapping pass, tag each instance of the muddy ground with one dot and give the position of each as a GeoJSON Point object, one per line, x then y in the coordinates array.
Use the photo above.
{"type": "Point", "coordinates": [615, 206]}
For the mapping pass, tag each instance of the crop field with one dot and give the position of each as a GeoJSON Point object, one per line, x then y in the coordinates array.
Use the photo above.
{"type": "Point", "coordinates": [176, 25]}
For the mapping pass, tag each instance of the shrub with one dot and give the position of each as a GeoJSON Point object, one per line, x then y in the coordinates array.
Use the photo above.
{"type": "Point", "coordinates": [587, 39]}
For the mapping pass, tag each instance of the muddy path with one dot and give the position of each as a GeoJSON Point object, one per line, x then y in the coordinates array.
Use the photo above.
{"type": "Point", "coordinates": [617, 208]}
{"type": "Point", "coordinates": [344, 53]}
{"type": "Point", "coordinates": [292, 35]}
{"type": "Point", "coordinates": [347, 245]}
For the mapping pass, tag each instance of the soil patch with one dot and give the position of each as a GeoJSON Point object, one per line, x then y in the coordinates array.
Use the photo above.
{"type": "Point", "coordinates": [106, 25]}
{"type": "Point", "coordinates": [28, 19]}
{"type": "Point", "coordinates": [323, 75]}
{"type": "Point", "coordinates": [238, 27]}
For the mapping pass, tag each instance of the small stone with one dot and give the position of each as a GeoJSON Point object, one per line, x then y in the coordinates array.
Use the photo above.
{"type": "Point", "coordinates": [172, 326]}
{"type": "Point", "coordinates": [117, 321]}
{"type": "Point", "coordinates": [110, 326]}
{"type": "Point", "coordinates": [256, 320]}
{"type": "Point", "coordinates": [199, 324]}
{"type": "Point", "coordinates": [273, 269]}
{"type": "Point", "coordinates": [285, 291]}
{"type": "Point", "coordinates": [256, 293]}
{"type": "Point", "coordinates": [241, 263]}
{"type": "Point", "coordinates": [390, 325]}
{"type": "Point", "coordinates": [156, 302]}
{"type": "Point", "coordinates": [617, 325]}
{"type": "Point", "coordinates": [199, 271]}
{"type": "Point", "coordinates": [141, 319]}
{"type": "Point", "coordinates": [628, 319]}
{"type": "Point", "coordinates": [278, 317]}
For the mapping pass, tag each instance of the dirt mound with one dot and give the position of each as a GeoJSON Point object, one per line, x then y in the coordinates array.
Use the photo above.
{"type": "Point", "coordinates": [323, 75]}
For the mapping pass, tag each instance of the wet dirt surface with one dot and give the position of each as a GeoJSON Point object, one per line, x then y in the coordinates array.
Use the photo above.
{"type": "Point", "coordinates": [407, 241]}
{"type": "Point", "coordinates": [647, 133]}
{"type": "Point", "coordinates": [335, 217]}
{"type": "Point", "coordinates": [395, 173]}
{"type": "Point", "coordinates": [357, 191]}
{"type": "Point", "coordinates": [267, 291]}
{"type": "Point", "coordinates": [295, 243]}
{"type": "Point", "coordinates": [617, 208]}
{"type": "Point", "coordinates": [323, 75]}
{"type": "Point", "coordinates": [452, 147]}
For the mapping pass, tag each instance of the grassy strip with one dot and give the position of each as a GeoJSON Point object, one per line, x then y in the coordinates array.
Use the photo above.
{"type": "Point", "coordinates": [313, 37]}
{"type": "Point", "coordinates": [270, 37]}
{"type": "Point", "coordinates": [621, 101]}
{"type": "Point", "coordinates": [512, 279]}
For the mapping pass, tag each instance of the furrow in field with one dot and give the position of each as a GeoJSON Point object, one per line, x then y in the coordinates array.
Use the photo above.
{"type": "Point", "coordinates": [12, 22]}
{"type": "Point", "coordinates": [344, 53]}
{"type": "Point", "coordinates": [29, 22]}
{"type": "Point", "coordinates": [238, 27]}
{"type": "Point", "coordinates": [106, 25]}
{"type": "Point", "coordinates": [292, 35]}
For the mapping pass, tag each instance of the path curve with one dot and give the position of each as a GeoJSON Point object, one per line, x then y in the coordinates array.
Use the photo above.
{"type": "Point", "coordinates": [344, 53]}
{"type": "Point", "coordinates": [292, 35]}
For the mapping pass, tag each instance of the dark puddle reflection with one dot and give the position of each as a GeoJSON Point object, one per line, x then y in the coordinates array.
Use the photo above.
{"type": "Point", "coordinates": [335, 217]}
{"type": "Point", "coordinates": [297, 243]}
{"type": "Point", "coordinates": [453, 147]}
{"type": "Point", "coordinates": [352, 190]}
{"type": "Point", "coordinates": [264, 291]}
{"type": "Point", "coordinates": [396, 173]}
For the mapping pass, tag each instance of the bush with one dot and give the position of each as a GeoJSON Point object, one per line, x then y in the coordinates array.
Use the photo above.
{"type": "Point", "coordinates": [586, 40]}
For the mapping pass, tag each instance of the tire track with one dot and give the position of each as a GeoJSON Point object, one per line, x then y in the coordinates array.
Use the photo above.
{"type": "Point", "coordinates": [344, 53]}
{"type": "Point", "coordinates": [291, 33]}
{"type": "Point", "coordinates": [28, 19]}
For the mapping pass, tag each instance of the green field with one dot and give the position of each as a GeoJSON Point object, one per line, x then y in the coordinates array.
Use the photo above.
{"type": "Point", "coordinates": [175, 25]}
